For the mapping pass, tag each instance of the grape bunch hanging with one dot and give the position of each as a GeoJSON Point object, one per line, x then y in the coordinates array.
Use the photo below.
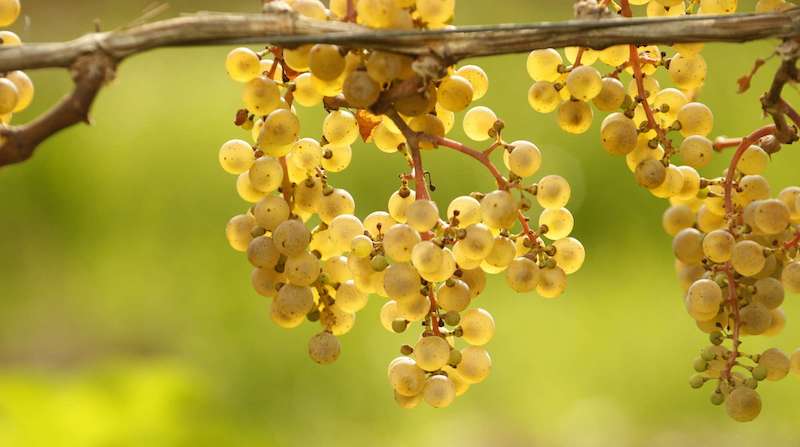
{"type": "Point", "coordinates": [16, 88]}
{"type": "Point", "coordinates": [319, 262]}
{"type": "Point", "coordinates": [735, 241]}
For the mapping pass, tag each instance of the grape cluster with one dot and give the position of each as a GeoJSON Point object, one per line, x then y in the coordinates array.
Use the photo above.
{"type": "Point", "coordinates": [736, 246]}
{"type": "Point", "coordinates": [318, 261]}
{"type": "Point", "coordinates": [16, 88]}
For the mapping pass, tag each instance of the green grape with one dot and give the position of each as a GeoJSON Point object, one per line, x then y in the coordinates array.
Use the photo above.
{"type": "Point", "coordinates": [324, 348]}
{"type": "Point", "coordinates": [291, 237]}
{"type": "Point", "coordinates": [559, 222]}
{"type": "Point", "coordinates": [615, 55]}
{"type": "Point", "coordinates": [24, 87]}
{"type": "Point", "coordinates": [290, 306]}
{"type": "Point", "coordinates": [304, 93]}
{"type": "Point", "coordinates": [337, 157]}
{"type": "Point", "coordinates": [440, 391]}
{"type": "Point", "coordinates": [325, 62]}
{"type": "Point", "coordinates": [477, 78]}
{"type": "Point", "coordinates": [672, 184]}
{"type": "Point", "coordinates": [265, 281]}
{"type": "Point", "coordinates": [667, 103]}
{"type": "Point", "coordinates": [343, 229]}
{"type": "Point", "coordinates": [340, 128]}
{"type": "Point", "coordinates": [238, 231]}
{"type": "Point", "coordinates": [455, 93]}
{"type": "Point", "coordinates": [611, 96]}
{"type": "Point", "coordinates": [747, 258]}
{"type": "Point", "coordinates": [270, 212]}
{"type": "Point", "coordinates": [743, 404]}
{"type": "Point", "coordinates": [431, 353]}
{"type": "Point", "coordinates": [524, 159]}
{"type": "Point", "coordinates": [695, 119]}
{"type": "Point", "coordinates": [575, 117]}
{"type": "Point", "coordinates": [776, 362]}
{"type": "Point", "coordinates": [242, 64]}
{"type": "Point", "coordinates": [543, 65]}
{"type": "Point", "coordinates": [475, 364]}
{"type": "Point", "coordinates": [584, 83]}
{"type": "Point", "coordinates": [771, 216]}
{"type": "Point", "coordinates": [454, 296]}
{"type": "Point", "coordinates": [415, 308]}
{"type": "Point", "coordinates": [618, 134]}
{"type": "Point", "coordinates": [790, 277]}
{"type": "Point", "coordinates": [466, 209]}
{"type": "Point", "coordinates": [499, 209]}
{"type": "Point", "coordinates": [378, 222]}
{"type": "Point", "coordinates": [266, 174]}
{"type": "Point", "coordinates": [477, 326]}
{"type": "Point", "coordinates": [401, 281]}
{"type": "Point", "coordinates": [769, 292]}
{"type": "Point", "coordinates": [435, 11]}
{"type": "Point", "coordinates": [756, 319]}
{"type": "Point", "coordinates": [478, 122]}
{"type": "Point", "coordinates": [261, 96]}
{"type": "Point", "coordinates": [687, 246]}
{"type": "Point", "coordinates": [388, 314]}
{"type": "Point", "coordinates": [399, 242]}
{"type": "Point", "coordinates": [677, 218]}
{"type": "Point", "coordinates": [336, 203]}
{"type": "Point", "coordinates": [502, 254]}
{"type": "Point", "coordinates": [553, 192]}
{"type": "Point", "coordinates": [306, 154]}
{"type": "Point", "coordinates": [522, 275]}
{"type": "Point", "coordinates": [543, 97]}
{"type": "Point", "coordinates": [261, 252]}
{"type": "Point", "coordinates": [650, 173]}
{"type": "Point", "coordinates": [688, 73]}
{"type": "Point", "coordinates": [426, 256]}
{"type": "Point", "coordinates": [236, 156]}
{"type": "Point", "coordinates": [703, 299]}
{"type": "Point", "coordinates": [246, 190]}
{"type": "Point", "coordinates": [570, 254]}
{"type": "Point", "coordinates": [718, 246]}
{"type": "Point", "coordinates": [360, 90]}
{"type": "Point", "coordinates": [552, 282]}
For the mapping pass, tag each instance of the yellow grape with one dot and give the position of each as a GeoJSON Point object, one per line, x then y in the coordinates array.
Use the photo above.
{"type": "Point", "coordinates": [575, 117]}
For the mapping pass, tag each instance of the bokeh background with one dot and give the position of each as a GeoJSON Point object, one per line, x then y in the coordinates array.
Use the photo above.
{"type": "Point", "coordinates": [126, 320]}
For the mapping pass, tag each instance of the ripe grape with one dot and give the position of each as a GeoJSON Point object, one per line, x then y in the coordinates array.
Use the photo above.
{"type": "Point", "coordinates": [611, 96]}
{"type": "Point", "coordinates": [718, 246]}
{"type": "Point", "coordinates": [291, 237]}
{"type": "Point", "coordinates": [478, 122]}
{"type": "Point", "coordinates": [553, 192]}
{"type": "Point", "coordinates": [475, 364]}
{"type": "Point", "coordinates": [618, 134]}
{"type": "Point", "coordinates": [455, 93]}
{"type": "Point", "coordinates": [575, 117]}
{"type": "Point", "coordinates": [324, 348]}
{"type": "Point", "coordinates": [466, 210]}
{"type": "Point", "coordinates": [24, 87]}
{"type": "Point", "coordinates": [477, 78]}
{"type": "Point", "coordinates": [584, 83]}
{"type": "Point", "coordinates": [401, 281]}
{"type": "Point", "coordinates": [336, 203]}
{"type": "Point", "coordinates": [543, 65]}
{"type": "Point", "coordinates": [688, 72]}
{"type": "Point", "coordinates": [570, 254]}
{"type": "Point", "coordinates": [522, 275]}
{"type": "Point", "coordinates": [743, 404]}
{"type": "Point", "coordinates": [340, 128]}
{"type": "Point", "coordinates": [559, 222]}
{"type": "Point", "coordinates": [440, 391]}
{"type": "Point", "coordinates": [238, 231]}
{"type": "Point", "coordinates": [477, 326]}
{"type": "Point", "coordinates": [454, 296]}
{"type": "Point", "coordinates": [399, 242]}
{"type": "Point", "coordinates": [242, 64]}
{"type": "Point", "coordinates": [261, 96]}
{"type": "Point", "coordinates": [747, 258]}
{"type": "Point", "coordinates": [543, 97]}
{"type": "Point", "coordinates": [431, 353]}
{"type": "Point", "coordinates": [325, 62]}
{"type": "Point", "coordinates": [677, 218]}
{"type": "Point", "coordinates": [695, 119]}
{"type": "Point", "coordinates": [552, 282]}
{"type": "Point", "coordinates": [499, 209]}
{"type": "Point", "coordinates": [524, 159]}
{"type": "Point", "coordinates": [790, 277]}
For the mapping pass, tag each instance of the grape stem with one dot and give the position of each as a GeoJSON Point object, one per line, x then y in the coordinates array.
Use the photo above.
{"type": "Point", "coordinates": [481, 157]}
{"type": "Point", "coordinates": [433, 313]}
{"type": "Point", "coordinates": [412, 141]}
{"type": "Point", "coordinates": [286, 187]}
{"type": "Point", "coordinates": [724, 143]}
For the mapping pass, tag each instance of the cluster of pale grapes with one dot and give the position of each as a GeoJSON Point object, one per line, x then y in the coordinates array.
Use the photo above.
{"type": "Point", "coordinates": [318, 261]}
{"type": "Point", "coordinates": [16, 88]}
{"type": "Point", "coordinates": [736, 246]}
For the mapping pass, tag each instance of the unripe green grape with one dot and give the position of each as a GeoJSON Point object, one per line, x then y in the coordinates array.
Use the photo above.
{"type": "Point", "coordinates": [399, 242]}
{"type": "Point", "coordinates": [290, 306]}
{"type": "Point", "coordinates": [553, 192]}
{"type": "Point", "coordinates": [431, 353]}
{"type": "Point", "coordinates": [584, 83]}
{"type": "Point", "coordinates": [677, 218]}
{"type": "Point", "coordinates": [238, 231]}
{"type": "Point", "coordinates": [570, 254]}
{"type": "Point", "coordinates": [718, 246]}
{"type": "Point", "coordinates": [618, 134]}
{"type": "Point", "coordinates": [340, 128]}
{"type": "Point", "coordinates": [304, 93]}
{"type": "Point", "coordinates": [477, 78]}
{"type": "Point", "coordinates": [475, 365]}
{"type": "Point", "coordinates": [455, 93]}
{"type": "Point", "coordinates": [672, 184]}
{"type": "Point", "coordinates": [703, 299]}
{"type": "Point", "coordinates": [543, 97]}
{"type": "Point", "coordinates": [522, 275]}
{"type": "Point", "coordinates": [755, 318]}
{"type": "Point", "coordinates": [751, 188]}
{"type": "Point", "coordinates": [776, 362]}
{"type": "Point", "coordinates": [468, 208]}
{"type": "Point", "coordinates": [242, 64]}
{"type": "Point", "coordinates": [502, 254]}
{"type": "Point", "coordinates": [747, 258]}
{"type": "Point", "coordinates": [401, 281]}
{"type": "Point", "coordinates": [543, 65]}
{"type": "Point", "coordinates": [236, 156]}
{"type": "Point", "coordinates": [339, 157]}
{"type": "Point", "coordinates": [477, 326]}
{"type": "Point", "coordinates": [650, 173]}
{"type": "Point", "coordinates": [360, 90]}
{"type": "Point", "coordinates": [336, 320]}
{"type": "Point", "coordinates": [688, 246]}
{"type": "Point", "coordinates": [406, 377]}
{"type": "Point", "coordinates": [611, 96]}
{"type": "Point", "coordinates": [435, 11]}
{"type": "Point", "coordinates": [790, 277]}
{"type": "Point", "coordinates": [245, 189]}
{"type": "Point", "coordinates": [575, 117]}
{"type": "Point", "coordinates": [24, 87]}
{"type": "Point", "coordinates": [772, 216]}
{"type": "Point", "coordinates": [695, 119]}
{"type": "Point", "coordinates": [306, 154]}
{"type": "Point", "coordinates": [265, 281]}
{"type": "Point", "coordinates": [454, 297]}
{"type": "Point", "coordinates": [334, 204]}
{"type": "Point", "coordinates": [261, 96]}
{"type": "Point", "coordinates": [559, 222]}
{"type": "Point", "coordinates": [524, 159]}
{"type": "Point", "coordinates": [499, 209]}
{"type": "Point", "coordinates": [672, 100]}
{"type": "Point", "coordinates": [478, 121]}
{"type": "Point", "coordinates": [266, 174]}
{"type": "Point", "coordinates": [688, 73]}
{"type": "Point", "coordinates": [270, 212]}
{"type": "Point", "coordinates": [552, 282]}
{"type": "Point", "coordinates": [414, 309]}
{"type": "Point", "coordinates": [324, 348]}
{"type": "Point", "coordinates": [754, 161]}
{"type": "Point", "coordinates": [281, 129]}
{"type": "Point", "coordinates": [325, 61]}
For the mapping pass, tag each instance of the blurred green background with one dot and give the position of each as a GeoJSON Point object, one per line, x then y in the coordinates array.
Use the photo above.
{"type": "Point", "coordinates": [126, 320]}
